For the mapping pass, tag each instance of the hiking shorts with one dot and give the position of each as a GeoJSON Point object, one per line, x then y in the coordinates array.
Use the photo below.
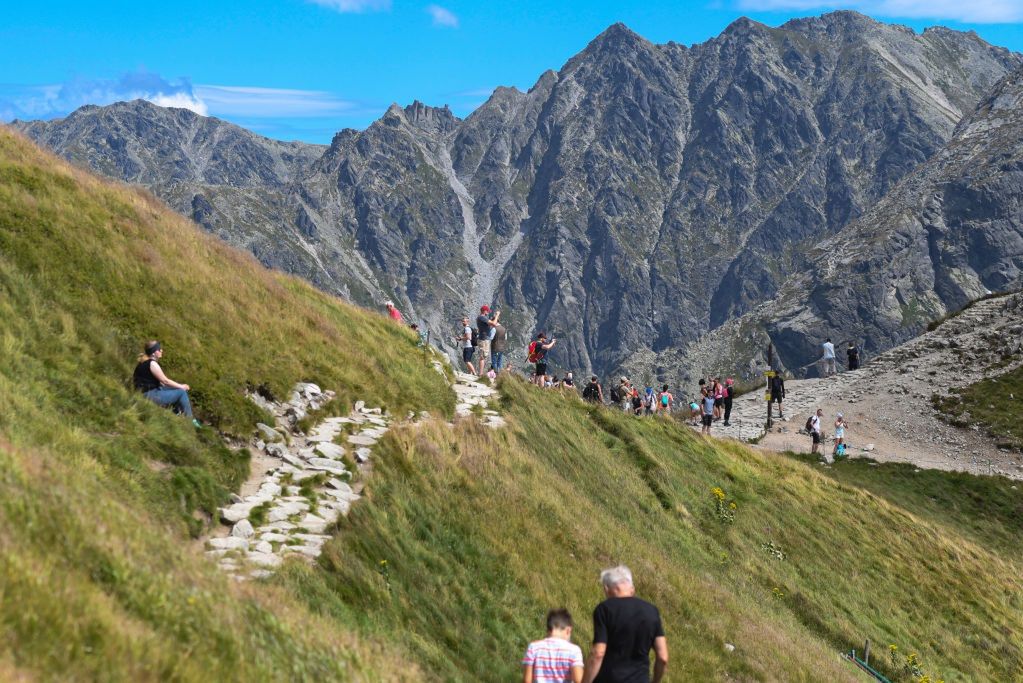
{"type": "Point", "coordinates": [483, 346]}
{"type": "Point", "coordinates": [718, 402]}
{"type": "Point", "coordinates": [541, 368]}
{"type": "Point", "coordinates": [816, 437]}
{"type": "Point", "coordinates": [775, 398]}
{"type": "Point", "coordinates": [467, 354]}
{"type": "Point", "coordinates": [707, 420]}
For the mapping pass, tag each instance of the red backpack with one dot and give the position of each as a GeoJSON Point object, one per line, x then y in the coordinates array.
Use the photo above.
{"type": "Point", "coordinates": [534, 352]}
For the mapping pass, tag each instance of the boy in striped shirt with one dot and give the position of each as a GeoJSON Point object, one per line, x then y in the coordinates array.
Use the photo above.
{"type": "Point", "coordinates": [554, 659]}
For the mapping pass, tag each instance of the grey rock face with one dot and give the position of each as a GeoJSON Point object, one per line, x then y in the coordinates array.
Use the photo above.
{"type": "Point", "coordinates": [628, 203]}
{"type": "Point", "coordinates": [950, 232]}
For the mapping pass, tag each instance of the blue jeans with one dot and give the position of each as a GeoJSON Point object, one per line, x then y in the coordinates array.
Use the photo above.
{"type": "Point", "coordinates": [497, 360]}
{"type": "Point", "coordinates": [177, 398]}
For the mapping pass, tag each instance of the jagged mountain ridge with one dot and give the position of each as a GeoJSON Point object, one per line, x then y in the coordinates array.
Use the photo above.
{"type": "Point", "coordinates": [949, 233]}
{"type": "Point", "coordinates": [636, 198]}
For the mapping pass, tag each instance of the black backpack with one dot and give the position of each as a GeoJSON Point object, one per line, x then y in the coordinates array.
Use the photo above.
{"type": "Point", "coordinates": [616, 396]}
{"type": "Point", "coordinates": [590, 392]}
{"type": "Point", "coordinates": [474, 338]}
{"type": "Point", "coordinates": [809, 424]}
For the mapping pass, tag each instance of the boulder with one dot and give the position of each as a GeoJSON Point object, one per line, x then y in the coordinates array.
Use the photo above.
{"type": "Point", "coordinates": [228, 543]}
{"type": "Point", "coordinates": [236, 512]}
{"type": "Point", "coordinates": [331, 466]}
{"type": "Point", "coordinates": [268, 433]}
{"type": "Point", "coordinates": [243, 529]}
{"type": "Point", "coordinates": [263, 559]}
{"type": "Point", "coordinates": [329, 450]}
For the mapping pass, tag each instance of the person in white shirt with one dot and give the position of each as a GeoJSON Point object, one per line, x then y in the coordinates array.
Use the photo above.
{"type": "Point", "coordinates": [815, 430]}
{"type": "Point", "coordinates": [828, 360]}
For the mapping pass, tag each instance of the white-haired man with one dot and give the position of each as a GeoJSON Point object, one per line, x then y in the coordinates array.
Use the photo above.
{"type": "Point", "coordinates": [625, 629]}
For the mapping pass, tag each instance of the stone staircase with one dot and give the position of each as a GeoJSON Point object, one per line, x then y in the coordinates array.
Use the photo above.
{"type": "Point", "coordinates": [302, 483]}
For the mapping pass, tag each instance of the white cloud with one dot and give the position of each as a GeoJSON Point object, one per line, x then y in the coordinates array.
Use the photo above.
{"type": "Point", "coordinates": [234, 100]}
{"type": "Point", "coordinates": [442, 16]}
{"type": "Point", "coordinates": [46, 101]}
{"type": "Point", "coordinates": [354, 6]}
{"type": "Point", "coordinates": [977, 11]}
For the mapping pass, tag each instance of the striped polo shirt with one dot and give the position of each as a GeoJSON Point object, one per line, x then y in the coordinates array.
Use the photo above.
{"type": "Point", "coordinates": [552, 660]}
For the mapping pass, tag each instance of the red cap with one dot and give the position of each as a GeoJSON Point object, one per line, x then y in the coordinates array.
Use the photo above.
{"type": "Point", "coordinates": [484, 309]}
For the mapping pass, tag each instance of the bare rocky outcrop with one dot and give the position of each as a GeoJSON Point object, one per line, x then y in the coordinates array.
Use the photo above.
{"type": "Point", "coordinates": [949, 233]}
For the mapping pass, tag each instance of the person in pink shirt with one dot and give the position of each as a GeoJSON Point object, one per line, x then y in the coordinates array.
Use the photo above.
{"type": "Point", "coordinates": [393, 311]}
{"type": "Point", "coordinates": [555, 659]}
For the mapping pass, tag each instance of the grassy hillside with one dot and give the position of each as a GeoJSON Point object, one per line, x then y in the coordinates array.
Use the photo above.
{"type": "Point", "coordinates": [482, 532]}
{"type": "Point", "coordinates": [99, 488]}
{"type": "Point", "coordinates": [995, 403]}
{"type": "Point", "coordinates": [467, 535]}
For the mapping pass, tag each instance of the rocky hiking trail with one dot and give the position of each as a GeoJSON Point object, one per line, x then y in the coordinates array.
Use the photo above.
{"type": "Point", "coordinates": [887, 402]}
{"type": "Point", "coordinates": [301, 483]}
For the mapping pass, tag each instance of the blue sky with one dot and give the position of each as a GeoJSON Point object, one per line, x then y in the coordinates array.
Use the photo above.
{"type": "Point", "coordinates": [304, 69]}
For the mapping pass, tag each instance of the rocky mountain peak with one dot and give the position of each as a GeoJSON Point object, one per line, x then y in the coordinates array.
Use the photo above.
{"type": "Point", "coordinates": [616, 40]}
{"type": "Point", "coordinates": [438, 119]}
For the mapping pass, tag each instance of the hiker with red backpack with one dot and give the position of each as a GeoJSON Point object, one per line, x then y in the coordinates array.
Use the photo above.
{"type": "Point", "coordinates": [538, 349]}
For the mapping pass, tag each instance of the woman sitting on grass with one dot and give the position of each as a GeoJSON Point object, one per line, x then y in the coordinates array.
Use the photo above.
{"type": "Point", "coordinates": [150, 379]}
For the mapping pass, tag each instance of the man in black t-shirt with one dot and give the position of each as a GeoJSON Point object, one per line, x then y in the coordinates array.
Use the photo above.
{"type": "Point", "coordinates": [625, 629]}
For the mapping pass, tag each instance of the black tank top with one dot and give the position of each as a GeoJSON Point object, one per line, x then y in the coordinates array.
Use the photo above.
{"type": "Point", "coordinates": [143, 378]}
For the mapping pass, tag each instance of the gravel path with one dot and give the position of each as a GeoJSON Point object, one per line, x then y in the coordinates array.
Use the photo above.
{"type": "Point", "coordinates": [887, 403]}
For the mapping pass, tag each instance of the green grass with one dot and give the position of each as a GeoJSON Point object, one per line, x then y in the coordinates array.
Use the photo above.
{"type": "Point", "coordinates": [101, 490]}
{"type": "Point", "coordinates": [995, 403]}
{"type": "Point", "coordinates": [484, 531]}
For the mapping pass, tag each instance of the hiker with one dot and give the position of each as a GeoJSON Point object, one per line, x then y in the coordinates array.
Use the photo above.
{"type": "Point", "coordinates": [393, 312]}
{"type": "Point", "coordinates": [468, 348]}
{"type": "Point", "coordinates": [593, 392]}
{"type": "Point", "coordinates": [498, 344]}
{"type": "Point", "coordinates": [777, 386]}
{"type": "Point", "coordinates": [813, 426]}
{"type": "Point", "coordinates": [637, 403]}
{"type": "Point", "coordinates": [694, 413]}
{"type": "Point", "coordinates": [649, 401]}
{"type": "Point", "coordinates": [538, 354]}
{"type": "Point", "coordinates": [150, 379]}
{"type": "Point", "coordinates": [568, 381]}
{"type": "Point", "coordinates": [625, 393]}
{"type": "Point", "coordinates": [484, 330]}
{"type": "Point", "coordinates": [719, 398]}
{"type": "Point", "coordinates": [828, 359]}
{"type": "Point", "coordinates": [840, 425]}
{"type": "Point", "coordinates": [625, 629]}
{"type": "Point", "coordinates": [707, 412]}
{"type": "Point", "coordinates": [854, 356]}
{"type": "Point", "coordinates": [665, 401]}
{"type": "Point", "coordinates": [492, 374]}
{"type": "Point", "coordinates": [555, 659]}
{"type": "Point", "coordinates": [729, 395]}
{"type": "Point", "coordinates": [422, 343]}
